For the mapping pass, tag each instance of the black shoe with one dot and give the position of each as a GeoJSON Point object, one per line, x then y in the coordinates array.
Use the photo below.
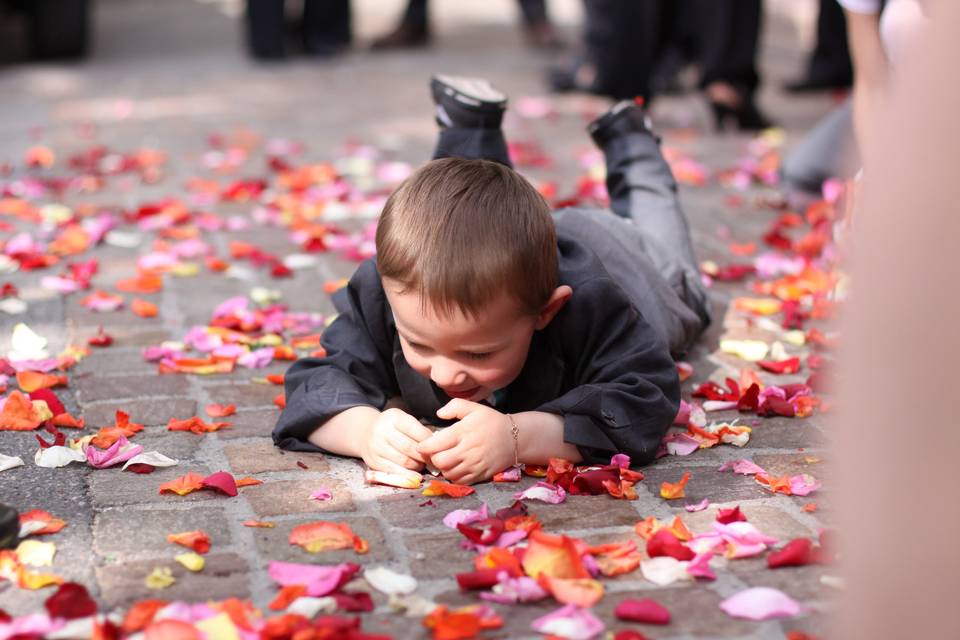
{"type": "Point", "coordinates": [744, 117]}
{"type": "Point", "coordinates": [812, 84]}
{"type": "Point", "coordinates": [577, 75]}
{"type": "Point", "coordinates": [467, 103]}
{"type": "Point", "coordinates": [9, 527]}
{"type": "Point", "coordinates": [627, 116]}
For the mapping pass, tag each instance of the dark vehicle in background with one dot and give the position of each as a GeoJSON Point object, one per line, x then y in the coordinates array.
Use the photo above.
{"type": "Point", "coordinates": [54, 29]}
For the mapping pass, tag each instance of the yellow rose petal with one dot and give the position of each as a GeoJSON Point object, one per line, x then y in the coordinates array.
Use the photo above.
{"type": "Point", "coordinates": [191, 561]}
{"type": "Point", "coordinates": [34, 553]}
{"type": "Point", "coordinates": [160, 578]}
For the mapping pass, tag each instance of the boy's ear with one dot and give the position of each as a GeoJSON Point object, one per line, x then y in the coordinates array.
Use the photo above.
{"type": "Point", "coordinates": [557, 299]}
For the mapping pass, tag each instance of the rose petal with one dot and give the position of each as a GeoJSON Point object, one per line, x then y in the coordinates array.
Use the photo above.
{"type": "Point", "coordinates": [569, 622]}
{"type": "Point", "coordinates": [760, 603]}
{"type": "Point", "coordinates": [645, 611]}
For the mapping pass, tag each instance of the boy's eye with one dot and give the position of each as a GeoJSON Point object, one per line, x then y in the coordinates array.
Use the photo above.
{"type": "Point", "coordinates": [480, 356]}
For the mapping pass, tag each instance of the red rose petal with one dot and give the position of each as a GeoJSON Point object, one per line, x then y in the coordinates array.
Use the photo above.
{"type": "Point", "coordinates": [664, 543]}
{"type": "Point", "coordinates": [70, 601]}
{"type": "Point", "coordinates": [221, 481]}
{"type": "Point", "coordinates": [726, 516]}
{"type": "Point", "coordinates": [646, 611]}
{"type": "Point", "coordinates": [795, 554]}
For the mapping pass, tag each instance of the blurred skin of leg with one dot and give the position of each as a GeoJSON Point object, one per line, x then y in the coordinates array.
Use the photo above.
{"type": "Point", "coordinates": [896, 455]}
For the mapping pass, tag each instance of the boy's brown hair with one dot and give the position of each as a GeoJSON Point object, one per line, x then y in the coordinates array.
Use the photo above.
{"type": "Point", "coordinates": [462, 231]}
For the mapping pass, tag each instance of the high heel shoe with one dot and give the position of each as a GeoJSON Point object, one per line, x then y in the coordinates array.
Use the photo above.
{"type": "Point", "coordinates": [744, 116]}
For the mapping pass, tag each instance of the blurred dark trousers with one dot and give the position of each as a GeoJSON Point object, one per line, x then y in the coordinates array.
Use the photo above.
{"type": "Point", "coordinates": [325, 27]}
{"type": "Point", "coordinates": [729, 32]}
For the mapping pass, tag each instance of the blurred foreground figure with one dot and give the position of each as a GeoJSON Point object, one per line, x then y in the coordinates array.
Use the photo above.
{"type": "Point", "coordinates": [896, 461]}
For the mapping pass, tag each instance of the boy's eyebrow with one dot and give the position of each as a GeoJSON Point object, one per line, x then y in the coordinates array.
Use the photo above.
{"type": "Point", "coordinates": [477, 349]}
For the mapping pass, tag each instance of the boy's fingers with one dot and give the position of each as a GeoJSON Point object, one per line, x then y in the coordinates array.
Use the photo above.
{"type": "Point", "coordinates": [405, 445]}
{"type": "Point", "coordinates": [414, 430]}
{"type": "Point", "coordinates": [439, 441]}
{"type": "Point", "coordinates": [446, 460]}
{"type": "Point", "coordinates": [456, 409]}
{"type": "Point", "coordinates": [388, 466]}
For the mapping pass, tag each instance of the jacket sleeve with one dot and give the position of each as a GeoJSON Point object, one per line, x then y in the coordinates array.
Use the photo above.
{"type": "Point", "coordinates": [357, 370]}
{"type": "Point", "coordinates": [626, 391]}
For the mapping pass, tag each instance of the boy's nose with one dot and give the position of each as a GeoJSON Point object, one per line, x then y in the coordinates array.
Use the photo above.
{"type": "Point", "coordinates": [447, 374]}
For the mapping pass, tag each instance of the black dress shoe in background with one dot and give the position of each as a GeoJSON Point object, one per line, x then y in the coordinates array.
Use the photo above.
{"type": "Point", "coordinates": [9, 527]}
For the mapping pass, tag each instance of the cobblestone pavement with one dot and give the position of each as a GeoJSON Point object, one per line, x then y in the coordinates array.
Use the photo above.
{"type": "Point", "coordinates": [167, 75]}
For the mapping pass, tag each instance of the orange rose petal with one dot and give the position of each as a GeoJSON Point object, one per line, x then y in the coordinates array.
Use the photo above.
{"type": "Point", "coordinates": [220, 411]}
{"type": "Point", "coordinates": [320, 536]}
{"type": "Point", "coordinates": [449, 489]}
{"type": "Point", "coordinates": [19, 414]}
{"type": "Point", "coordinates": [52, 525]}
{"type": "Point", "coordinates": [582, 592]}
{"type": "Point", "coordinates": [673, 491]}
{"type": "Point", "coordinates": [183, 485]}
{"type": "Point", "coordinates": [196, 540]}
{"type": "Point", "coordinates": [555, 556]}
{"type": "Point", "coordinates": [258, 524]}
{"type": "Point", "coordinates": [286, 596]}
{"type": "Point", "coordinates": [144, 308]}
{"type": "Point", "coordinates": [141, 614]}
{"type": "Point", "coordinates": [30, 381]}
{"type": "Point", "coordinates": [248, 482]}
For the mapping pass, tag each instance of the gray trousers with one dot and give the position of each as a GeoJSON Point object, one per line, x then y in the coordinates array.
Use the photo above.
{"type": "Point", "coordinates": [643, 240]}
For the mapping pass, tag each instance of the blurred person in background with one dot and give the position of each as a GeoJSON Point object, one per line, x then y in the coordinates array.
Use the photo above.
{"type": "Point", "coordinates": [322, 30]}
{"type": "Point", "coordinates": [625, 43]}
{"type": "Point", "coordinates": [828, 67]}
{"type": "Point", "coordinates": [413, 30]}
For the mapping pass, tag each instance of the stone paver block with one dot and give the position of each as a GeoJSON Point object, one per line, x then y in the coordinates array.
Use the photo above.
{"type": "Point", "coordinates": [283, 497]}
{"type": "Point", "coordinates": [120, 533]}
{"type": "Point", "coordinates": [768, 519]}
{"type": "Point", "coordinates": [694, 612]}
{"type": "Point", "coordinates": [577, 512]}
{"type": "Point", "coordinates": [111, 361]}
{"type": "Point", "coordinates": [113, 487]}
{"type": "Point", "coordinates": [705, 482]}
{"type": "Point", "coordinates": [274, 544]}
{"type": "Point", "coordinates": [411, 510]}
{"type": "Point", "coordinates": [183, 446]}
{"type": "Point", "coordinates": [793, 464]}
{"type": "Point", "coordinates": [250, 423]}
{"type": "Point", "coordinates": [260, 456]}
{"type": "Point", "coordinates": [147, 412]}
{"type": "Point", "coordinates": [245, 394]}
{"type": "Point", "coordinates": [93, 388]}
{"type": "Point", "coordinates": [786, 433]}
{"type": "Point", "coordinates": [800, 583]}
{"type": "Point", "coordinates": [224, 576]}
{"type": "Point", "coordinates": [438, 555]}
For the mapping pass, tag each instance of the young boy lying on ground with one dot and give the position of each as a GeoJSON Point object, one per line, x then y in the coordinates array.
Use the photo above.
{"type": "Point", "coordinates": [528, 335]}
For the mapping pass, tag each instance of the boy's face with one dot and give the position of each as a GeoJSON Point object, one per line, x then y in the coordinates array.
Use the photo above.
{"type": "Point", "coordinates": [467, 357]}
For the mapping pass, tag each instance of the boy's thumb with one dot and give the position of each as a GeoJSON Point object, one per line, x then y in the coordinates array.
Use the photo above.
{"type": "Point", "coordinates": [456, 408]}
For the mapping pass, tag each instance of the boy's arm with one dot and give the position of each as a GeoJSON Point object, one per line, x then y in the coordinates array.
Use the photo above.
{"type": "Point", "coordinates": [626, 391]}
{"type": "Point", "coordinates": [541, 438]}
{"type": "Point", "coordinates": [356, 371]}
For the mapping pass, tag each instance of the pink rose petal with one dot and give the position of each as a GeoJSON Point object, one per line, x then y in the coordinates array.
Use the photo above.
{"type": "Point", "coordinates": [320, 580]}
{"type": "Point", "coordinates": [569, 622]}
{"type": "Point", "coordinates": [543, 491]}
{"type": "Point", "coordinates": [322, 494]}
{"type": "Point", "coordinates": [743, 467]}
{"type": "Point", "coordinates": [700, 506]}
{"type": "Point", "coordinates": [760, 603]}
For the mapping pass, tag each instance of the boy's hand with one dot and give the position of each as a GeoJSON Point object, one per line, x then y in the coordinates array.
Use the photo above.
{"type": "Point", "coordinates": [391, 444]}
{"type": "Point", "coordinates": [473, 449]}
